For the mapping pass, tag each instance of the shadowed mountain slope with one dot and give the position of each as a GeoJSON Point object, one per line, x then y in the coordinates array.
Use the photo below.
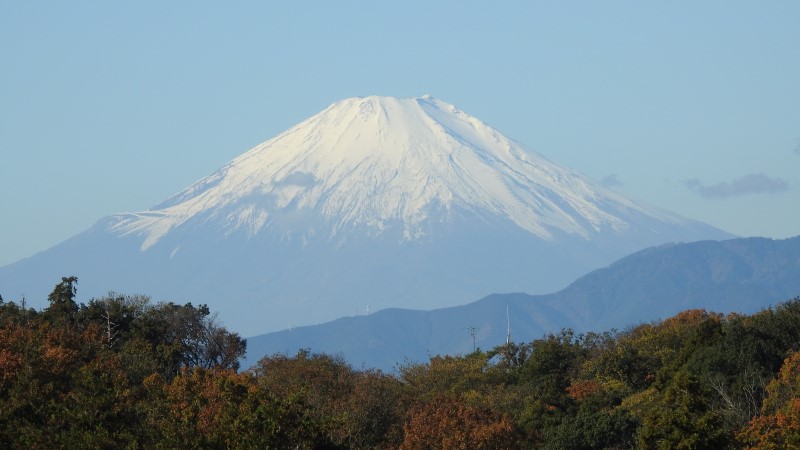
{"type": "Point", "coordinates": [738, 275]}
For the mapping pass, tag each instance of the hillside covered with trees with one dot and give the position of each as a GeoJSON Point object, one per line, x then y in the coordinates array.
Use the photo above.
{"type": "Point", "coordinates": [122, 372]}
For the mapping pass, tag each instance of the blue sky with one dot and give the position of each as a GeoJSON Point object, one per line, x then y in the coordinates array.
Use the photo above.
{"type": "Point", "coordinates": [109, 107]}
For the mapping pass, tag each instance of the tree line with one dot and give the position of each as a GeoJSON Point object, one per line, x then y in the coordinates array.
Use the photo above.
{"type": "Point", "coordinates": [124, 372]}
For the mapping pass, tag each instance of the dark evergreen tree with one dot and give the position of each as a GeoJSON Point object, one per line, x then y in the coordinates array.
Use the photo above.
{"type": "Point", "coordinates": [62, 301]}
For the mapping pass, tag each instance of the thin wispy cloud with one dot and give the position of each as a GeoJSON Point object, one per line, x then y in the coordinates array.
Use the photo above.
{"type": "Point", "coordinates": [754, 183]}
{"type": "Point", "coordinates": [611, 181]}
{"type": "Point", "coordinates": [797, 148]}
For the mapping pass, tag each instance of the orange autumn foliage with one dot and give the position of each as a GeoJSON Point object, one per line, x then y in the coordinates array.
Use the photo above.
{"type": "Point", "coordinates": [450, 423]}
{"type": "Point", "coordinates": [778, 425]}
{"type": "Point", "coordinates": [579, 390]}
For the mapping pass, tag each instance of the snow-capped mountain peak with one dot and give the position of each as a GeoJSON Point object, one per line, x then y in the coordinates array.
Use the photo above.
{"type": "Point", "coordinates": [374, 201]}
{"type": "Point", "coordinates": [388, 164]}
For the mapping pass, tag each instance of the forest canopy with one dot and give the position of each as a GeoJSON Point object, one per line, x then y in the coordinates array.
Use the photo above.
{"type": "Point", "coordinates": [123, 372]}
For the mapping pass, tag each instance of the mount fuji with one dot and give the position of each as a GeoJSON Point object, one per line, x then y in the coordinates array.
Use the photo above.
{"type": "Point", "coordinates": [375, 202]}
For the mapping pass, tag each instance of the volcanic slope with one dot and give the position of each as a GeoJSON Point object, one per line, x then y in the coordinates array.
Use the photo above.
{"type": "Point", "coordinates": [374, 202]}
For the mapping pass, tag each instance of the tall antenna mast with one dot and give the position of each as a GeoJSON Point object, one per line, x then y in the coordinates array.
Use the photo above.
{"type": "Point", "coordinates": [508, 328]}
{"type": "Point", "coordinates": [472, 331]}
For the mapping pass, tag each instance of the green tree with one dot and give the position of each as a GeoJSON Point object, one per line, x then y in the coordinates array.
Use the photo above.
{"type": "Point", "coordinates": [375, 410]}
{"type": "Point", "coordinates": [188, 336]}
{"type": "Point", "coordinates": [322, 384]}
{"type": "Point", "coordinates": [543, 380]}
{"type": "Point", "coordinates": [447, 375]}
{"type": "Point", "coordinates": [62, 301]}
{"type": "Point", "coordinates": [680, 418]}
